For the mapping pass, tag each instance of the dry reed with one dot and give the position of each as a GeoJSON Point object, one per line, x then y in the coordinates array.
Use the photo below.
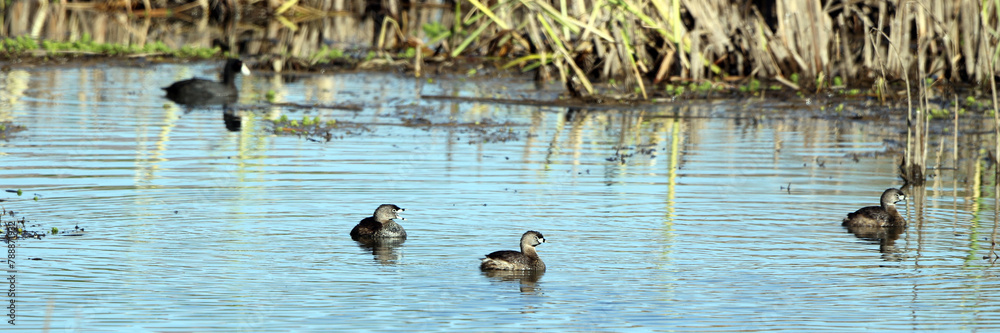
{"type": "Point", "coordinates": [694, 40]}
{"type": "Point", "coordinates": [800, 43]}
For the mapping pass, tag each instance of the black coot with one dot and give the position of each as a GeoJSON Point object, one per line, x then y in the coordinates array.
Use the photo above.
{"type": "Point", "coordinates": [204, 92]}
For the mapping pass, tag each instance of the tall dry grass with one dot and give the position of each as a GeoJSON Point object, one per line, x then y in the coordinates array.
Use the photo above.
{"type": "Point", "coordinates": [638, 42]}
{"type": "Point", "coordinates": [859, 42]}
{"type": "Point", "coordinates": [295, 39]}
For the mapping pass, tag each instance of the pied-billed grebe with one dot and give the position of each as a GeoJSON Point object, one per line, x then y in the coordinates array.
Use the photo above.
{"type": "Point", "coordinates": [200, 91]}
{"type": "Point", "coordinates": [885, 215]}
{"type": "Point", "coordinates": [380, 224]}
{"type": "Point", "coordinates": [527, 259]}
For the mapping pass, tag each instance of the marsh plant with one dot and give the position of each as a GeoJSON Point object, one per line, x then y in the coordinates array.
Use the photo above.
{"type": "Point", "coordinates": [801, 44]}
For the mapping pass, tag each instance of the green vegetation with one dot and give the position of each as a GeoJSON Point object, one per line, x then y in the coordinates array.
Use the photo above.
{"type": "Point", "coordinates": [86, 45]}
{"type": "Point", "coordinates": [408, 53]}
{"type": "Point", "coordinates": [7, 128]}
{"type": "Point", "coordinates": [972, 102]}
{"type": "Point", "coordinates": [306, 126]}
{"type": "Point", "coordinates": [314, 127]}
{"type": "Point", "coordinates": [673, 90]}
{"type": "Point", "coordinates": [752, 86]}
{"type": "Point", "coordinates": [326, 55]}
{"type": "Point", "coordinates": [938, 113]}
{"type": "Point", "coordinates": [436, 32]}
{"type": "Point", "coordinates": [18, 44]}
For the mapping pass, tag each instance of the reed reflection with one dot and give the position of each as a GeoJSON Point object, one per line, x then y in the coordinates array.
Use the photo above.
{"type": "Point", "coordinates": [992, 255]}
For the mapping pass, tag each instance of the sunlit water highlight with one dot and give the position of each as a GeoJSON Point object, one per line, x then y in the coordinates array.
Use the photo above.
{"type": "Point", "coordinates": [190, 226]}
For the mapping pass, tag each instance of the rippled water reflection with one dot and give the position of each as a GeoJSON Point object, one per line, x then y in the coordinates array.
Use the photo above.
{"type": "Point", "coordinates": [674, 217]}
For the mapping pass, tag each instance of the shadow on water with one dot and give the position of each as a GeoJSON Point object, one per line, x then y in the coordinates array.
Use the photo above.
{"type": "Point", "coordinates": [527, 280]}
{"type": "Point", "coordinates": [384, 251]}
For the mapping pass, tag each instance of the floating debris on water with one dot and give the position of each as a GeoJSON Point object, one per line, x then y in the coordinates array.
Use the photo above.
{"type": "Point", "coordinates": [314, 129]}
{"type": "Point", "coordinates": [17, 229]}
{"type": "Point", "coordinates": [7, 128]}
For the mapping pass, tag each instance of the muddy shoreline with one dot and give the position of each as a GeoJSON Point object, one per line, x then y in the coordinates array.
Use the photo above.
{"type": "Point", "coordinates": [464, 69]}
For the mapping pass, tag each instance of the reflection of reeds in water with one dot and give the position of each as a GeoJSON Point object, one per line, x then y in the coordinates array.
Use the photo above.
{"type": "Point", "coordinates": [992, 255]}
{"type": "Point", "coordinates": [15, 83]}
{"type": "Point", "coordinates": [971, 177]}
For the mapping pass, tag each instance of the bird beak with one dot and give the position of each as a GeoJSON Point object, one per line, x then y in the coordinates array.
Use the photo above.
{"type": "Point", "coordinates": [245, 70]}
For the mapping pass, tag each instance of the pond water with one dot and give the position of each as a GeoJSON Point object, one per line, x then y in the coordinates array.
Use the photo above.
{"type": "Point", "coordinates": [690, 215]}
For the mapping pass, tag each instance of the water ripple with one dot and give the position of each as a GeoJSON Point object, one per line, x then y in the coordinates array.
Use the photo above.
{"type": "Point", "coordinates": [654, 222]}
